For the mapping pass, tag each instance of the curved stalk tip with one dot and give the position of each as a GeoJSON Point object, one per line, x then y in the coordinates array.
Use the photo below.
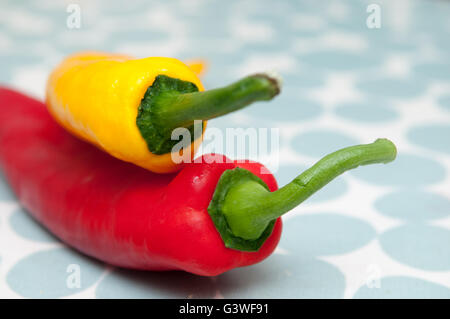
{"type": "Point", "coordinates": [249, 207]}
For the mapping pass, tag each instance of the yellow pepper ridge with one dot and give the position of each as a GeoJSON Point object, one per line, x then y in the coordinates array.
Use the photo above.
{"type": "Point", "coordinates": [128, 107]}
{"type": "Point", "coordinates": [96, 96]}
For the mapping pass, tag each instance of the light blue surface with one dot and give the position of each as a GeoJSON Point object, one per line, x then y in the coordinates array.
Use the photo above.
{"type": "Point", "coordinates": [434, 137]}
{"type": "Point", "coordinates": [397, 88]}
{"type": "Point", "coordinates": [318, 143]}
{"type": "Point", "coordinates": [370, 111]}
{"type": "Point", "coordinates": [6, 194]}
{"type": "Point", "coordinates": [434, 70]}
{"type": "Point", "coordinates": [340, 61]}
{"type": "Point", "coordinates": [404, 288]}
{"type": "Point", "coordinates": [28, 228]}
{"type": "Point", "coordinates": [407, 170]}
{"type": "Point", "coordinates": [131, 284]}
{"type": "Point", "coordinates": [418, 245]}
{"type": "Point", "coordinates": [290, 276]}
{"type": "Point", "coordinates": [44, 274]}
{"type": "Point", "coordinates": [402, 208]}
{"type": "Point", "coordinates": [282, 108]}
{"type": "Point", "coordinates": [294, 281]}
{"type": "Point", "coordinates": [444, 101]}
{"type": "Point", "coordinates": [322, 234]}
{"type": "Point", "coordinates": [413, 205]}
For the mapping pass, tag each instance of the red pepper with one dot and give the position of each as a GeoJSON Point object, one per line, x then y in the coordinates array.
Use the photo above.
{"type": "Point", "coordinates": [112, 210]}
{"type": "Point", "coordinates": [208, 218]}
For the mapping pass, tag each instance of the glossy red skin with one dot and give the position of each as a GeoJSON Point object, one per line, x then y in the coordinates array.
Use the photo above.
{"type": "Point", "coordinates": [112, 210]}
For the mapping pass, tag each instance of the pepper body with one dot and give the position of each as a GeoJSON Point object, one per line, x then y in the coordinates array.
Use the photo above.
{"type": "Point", "coordinates": [112, 210]}
{"type": "Point", "coordinates": [96, 97]}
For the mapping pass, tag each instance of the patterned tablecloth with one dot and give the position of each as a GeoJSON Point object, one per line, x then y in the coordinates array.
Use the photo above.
{"type": "Point", "coordinates": [380, 231]}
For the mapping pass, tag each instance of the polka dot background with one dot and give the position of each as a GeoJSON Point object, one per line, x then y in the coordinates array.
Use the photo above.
{"type": "Point", "coordinates": [377, 232]}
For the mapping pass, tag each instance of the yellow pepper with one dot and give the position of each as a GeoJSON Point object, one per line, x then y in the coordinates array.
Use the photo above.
{"type": "Point", "coordinates": [128, 107]}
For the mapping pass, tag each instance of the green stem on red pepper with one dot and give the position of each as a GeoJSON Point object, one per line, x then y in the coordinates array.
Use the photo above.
{"type": "Point", "coordinates": [244, 210]}
{"type": "Point", "coordinates": [171, 103]}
